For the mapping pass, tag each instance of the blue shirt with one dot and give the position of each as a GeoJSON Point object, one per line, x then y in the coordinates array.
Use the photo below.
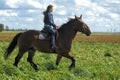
{"type": "Point", "coordinates": [48, 19]}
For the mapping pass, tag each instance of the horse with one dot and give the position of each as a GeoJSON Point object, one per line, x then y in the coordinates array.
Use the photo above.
{"type": "Point", "coordinates": [27, 42]}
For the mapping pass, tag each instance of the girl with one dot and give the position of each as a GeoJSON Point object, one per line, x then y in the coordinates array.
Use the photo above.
{"type": "Point", "coordinates": [49, 24]}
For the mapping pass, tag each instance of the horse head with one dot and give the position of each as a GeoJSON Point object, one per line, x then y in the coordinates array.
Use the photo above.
{"type": "Point", "coordinates": [81, 26]}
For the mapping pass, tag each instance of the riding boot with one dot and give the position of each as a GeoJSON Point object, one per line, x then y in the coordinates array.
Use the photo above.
{"type": "Point", "coordinates": [53, 45]}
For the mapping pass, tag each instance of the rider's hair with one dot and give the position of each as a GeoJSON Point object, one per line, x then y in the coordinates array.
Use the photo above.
{"type": "Point", "coordinates": [48, 8]}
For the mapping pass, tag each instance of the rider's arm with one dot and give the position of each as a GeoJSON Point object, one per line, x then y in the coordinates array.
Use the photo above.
{"type": "Point", "coordinates": [50, 19]}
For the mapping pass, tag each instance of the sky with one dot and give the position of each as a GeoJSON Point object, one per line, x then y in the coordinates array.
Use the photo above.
{"type": "Point", "coordinates": [99, 15]}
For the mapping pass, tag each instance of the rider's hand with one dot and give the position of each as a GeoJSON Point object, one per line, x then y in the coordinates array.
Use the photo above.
{"type": "Point", "coordinates": [57, 27]}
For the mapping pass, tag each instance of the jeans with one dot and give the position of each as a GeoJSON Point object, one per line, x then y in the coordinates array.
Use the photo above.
{"type": "Point", "coordinates": [52, 32]}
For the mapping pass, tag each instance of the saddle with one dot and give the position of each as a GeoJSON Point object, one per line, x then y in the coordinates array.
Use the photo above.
{"type": "Point", "coordinates": [44, 35]}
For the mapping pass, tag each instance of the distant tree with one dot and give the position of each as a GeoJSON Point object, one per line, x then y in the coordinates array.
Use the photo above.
{"type": "Point", "coordinates": [7, 28]}
{"type": "Point", "coordinates": [1, 27]}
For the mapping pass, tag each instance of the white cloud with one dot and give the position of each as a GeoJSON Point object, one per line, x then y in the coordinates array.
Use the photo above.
{"type": "Point", "coordinates": [82, 3]}
{"type": "Point", "coordinates": [99, 9]}
{"type": "Point", "coordinates": [7, 13]}
{"type": "Point", "coordinates": [62, 12]}
{"type": "Point", "coordinates": [2, 19]}
{"type": "Point", "coordinates": [13, 3]}
{"type": "Point", "coordinates": [35, 4]}
{"type": "Point", "coordinates": [31, 10]}
{"type": "Point", "coordinates": [113, 1]}
{"type": "Point", "coordinates": [19, 3]}
{"type": "Point", "coordinates": [59, 21]}
{"type": "Point", "coordinates": [90, 13]}
{"type": "Point", "coordinates": [29, 19]}
{"type": "Point", "coordinates": [114, 16]}
{"type": "Point", "coordinates": [91, 5]}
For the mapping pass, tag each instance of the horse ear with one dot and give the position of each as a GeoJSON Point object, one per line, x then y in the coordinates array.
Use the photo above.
{"type": "Point", "coordinates": [75, 17]}
{"type": "Point", "coordinates": [81, 16]}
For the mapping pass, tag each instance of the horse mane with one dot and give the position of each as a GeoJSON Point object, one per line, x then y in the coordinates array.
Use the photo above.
{"type": "Point", "coordinates": [66, 24]}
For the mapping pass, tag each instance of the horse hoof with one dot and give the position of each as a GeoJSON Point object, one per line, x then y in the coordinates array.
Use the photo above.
{"type": "Point", "coordinates": [36, 70]}
{"type": "Point", "coordinates": [57, 63]}
{"type": "Point", "coordinates": [71, 67]}
{"type": "Point", "coordinates": [15, 65]}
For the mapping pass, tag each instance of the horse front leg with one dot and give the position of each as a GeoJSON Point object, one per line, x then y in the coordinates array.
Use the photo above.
{"type": "Point", "coordinates": [59, 57]}
{"type": "Point", "coordinates": [69, 56]}
{"type": "Point", "coordinates": [73, 61]}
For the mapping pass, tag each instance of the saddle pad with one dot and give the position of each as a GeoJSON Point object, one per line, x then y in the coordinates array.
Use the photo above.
{"type": "Point", "coordinates": [44, 36]}
{"type": "Point", "coordinates": [41, 36]}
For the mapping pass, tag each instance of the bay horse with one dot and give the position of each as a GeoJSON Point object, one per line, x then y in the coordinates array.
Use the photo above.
{"type": "Point", "coordinates": [28, 43]}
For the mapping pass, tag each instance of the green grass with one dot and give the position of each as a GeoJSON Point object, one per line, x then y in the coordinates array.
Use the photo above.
{"type": "Point", "coordinates": [94, 61]}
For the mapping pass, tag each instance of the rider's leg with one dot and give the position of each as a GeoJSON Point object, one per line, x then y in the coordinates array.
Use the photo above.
{"type": "Point", "coordinates": [52, 32]}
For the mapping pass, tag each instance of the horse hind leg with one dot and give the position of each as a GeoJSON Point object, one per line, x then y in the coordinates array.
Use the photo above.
{"type": "Point", "coordinates": [18, 57]}
{"type": "Point", "coordinates": [31, 53]}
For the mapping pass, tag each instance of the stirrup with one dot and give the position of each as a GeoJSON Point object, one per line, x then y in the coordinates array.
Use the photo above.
{"type": "Point", "coordinates": [54, 47]}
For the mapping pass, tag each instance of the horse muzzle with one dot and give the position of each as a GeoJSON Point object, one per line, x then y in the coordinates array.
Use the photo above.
{"type": "Point", "coordinates": [88, 33]}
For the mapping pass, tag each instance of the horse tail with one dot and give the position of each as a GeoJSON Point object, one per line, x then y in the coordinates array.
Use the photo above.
{"type": "Point", "coordinates": [12, 46]}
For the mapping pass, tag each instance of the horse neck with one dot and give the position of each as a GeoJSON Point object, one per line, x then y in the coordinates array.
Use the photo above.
{"type": "Point", "coordinates": [67, 32]}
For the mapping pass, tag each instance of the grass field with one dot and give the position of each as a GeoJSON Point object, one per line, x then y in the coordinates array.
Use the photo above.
{"type": "Point", "coordinates": [97, 58]}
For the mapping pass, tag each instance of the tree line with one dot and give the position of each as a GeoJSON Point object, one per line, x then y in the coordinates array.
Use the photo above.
{"type": "Point", "coordinates": [6, 28]}
{"type": "Point", "coordinates": [1, 27]}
